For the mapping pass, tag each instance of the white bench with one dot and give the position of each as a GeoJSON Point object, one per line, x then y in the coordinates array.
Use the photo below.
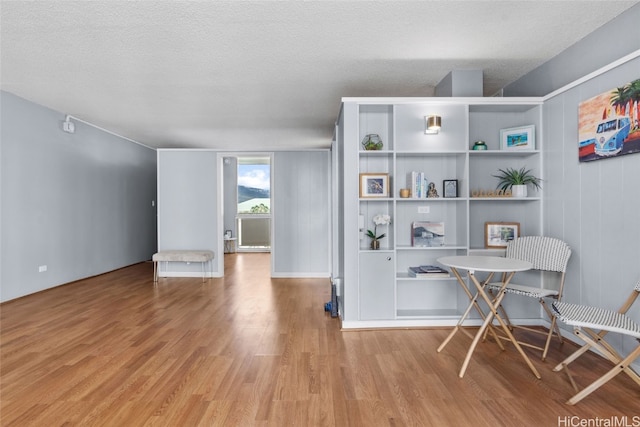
{"type": "Point", "coordinates": [202, 256]}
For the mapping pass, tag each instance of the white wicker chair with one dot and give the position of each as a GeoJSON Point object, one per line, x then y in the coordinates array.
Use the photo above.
{"type": "Point", "coordinates": [585, 321]}
{"type": "Point", "coordinates": [546, 254]}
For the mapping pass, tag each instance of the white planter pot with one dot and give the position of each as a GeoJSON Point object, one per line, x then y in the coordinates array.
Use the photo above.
{"type": "Point", "coordinates": [519, 191]}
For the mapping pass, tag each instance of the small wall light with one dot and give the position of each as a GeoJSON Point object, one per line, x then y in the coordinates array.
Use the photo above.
{"type": "Point", "coordinates": [68, 125]}
{"type": "Point", "coordinates": [432, 124]}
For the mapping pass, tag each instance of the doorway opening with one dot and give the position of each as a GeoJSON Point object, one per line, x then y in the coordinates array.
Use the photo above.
{"type": "Point", "coordinates": [253, 210]}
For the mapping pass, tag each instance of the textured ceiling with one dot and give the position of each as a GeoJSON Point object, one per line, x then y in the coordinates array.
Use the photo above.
{"type": "Point", "coordinates": [266, 75]}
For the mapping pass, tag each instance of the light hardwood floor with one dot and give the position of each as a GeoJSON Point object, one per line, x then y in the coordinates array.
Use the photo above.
{"type": "Point", "coordinates": [248, 350]}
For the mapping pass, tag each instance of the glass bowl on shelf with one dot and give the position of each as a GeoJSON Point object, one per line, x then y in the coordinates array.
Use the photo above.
{"type": "Point", "coordinates": [372, 141]}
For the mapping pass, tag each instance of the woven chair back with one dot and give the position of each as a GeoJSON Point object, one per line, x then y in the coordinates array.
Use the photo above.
{"type": "Point", "coordinates": [545, 253]}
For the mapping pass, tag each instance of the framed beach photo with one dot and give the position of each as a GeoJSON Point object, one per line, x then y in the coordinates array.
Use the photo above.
{"type": "Point", "coordinates": [498, 234]}
{"type": "Point", "coordinates": [374, 185]}
{"type": "Point", "coordinates": [521, 138]}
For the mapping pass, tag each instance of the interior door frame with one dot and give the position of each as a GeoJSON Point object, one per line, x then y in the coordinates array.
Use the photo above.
{"type": "Point", "coordinates": [220, 191]}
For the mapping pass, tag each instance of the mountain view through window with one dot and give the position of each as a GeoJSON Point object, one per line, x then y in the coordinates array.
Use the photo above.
{"type": "Point", "coordinates": [254, 186]}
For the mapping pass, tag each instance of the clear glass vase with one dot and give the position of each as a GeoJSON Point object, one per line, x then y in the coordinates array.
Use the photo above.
{"type": "Point", "coordinates": [372, 142]}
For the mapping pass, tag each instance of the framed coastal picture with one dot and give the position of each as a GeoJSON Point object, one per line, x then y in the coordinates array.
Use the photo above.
{"type": "Point", "coordinates": [374, 185]}
{"type": "Point", "coordinates": [498, 234]}
{"type": "Point", "coordinates": [608, 123]}
{"type": "Point", "coordinates": [522, 138]}
{"type": "Point", "coordinates": [427, 233]}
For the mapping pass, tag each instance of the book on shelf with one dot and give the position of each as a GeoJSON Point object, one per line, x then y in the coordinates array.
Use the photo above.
{"type": "Point", "coordinates": [428, 271]}
{"type": "Point", "coordinates": [427, 234]}
{"type": "Point", "coordinates": [417, 183]}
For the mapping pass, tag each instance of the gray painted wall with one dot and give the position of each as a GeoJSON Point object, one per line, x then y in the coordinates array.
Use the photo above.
{"type": "Point", "coordinates": [604, 45]}
{"type": "Point", "coordinates": [188, 207]}
{"type": "Point", "coordinates": [460, 83]}
{"type": "Point", "coordinates": [189, 211]}
{"type": "Point", "coordinates": [594, 206]}
{"type": "Point", "coordinates": [230, 177]}
{"type": "Point", "coordinates": [302, 215]}
{"type": "Point", "coordinates": [78, 203]}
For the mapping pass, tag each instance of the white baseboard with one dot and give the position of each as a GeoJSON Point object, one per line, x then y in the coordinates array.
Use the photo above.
{"type": "Point", "coordinates": [400, 324]}
{"type": "Point", "coordinates": [434, 322]}
{"type": "Point", "coordinates": [207, 274]}
{"type": "Point", "coordinates": [298, 275]}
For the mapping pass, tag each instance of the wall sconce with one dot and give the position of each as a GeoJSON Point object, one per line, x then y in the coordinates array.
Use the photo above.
{"type": "Point", "coordinates": [68, 125]}
{"type": "Point", "coordinates": [432, 124]}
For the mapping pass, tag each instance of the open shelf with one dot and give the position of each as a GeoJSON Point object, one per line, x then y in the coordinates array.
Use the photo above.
{"type": "Point", "coordinates": [385, 292]}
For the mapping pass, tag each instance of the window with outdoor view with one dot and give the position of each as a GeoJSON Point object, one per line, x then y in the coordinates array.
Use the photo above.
{"type": "Point", "coordinates": [254, 185]}
{"type": "Point", "coordinates": [254, 203]}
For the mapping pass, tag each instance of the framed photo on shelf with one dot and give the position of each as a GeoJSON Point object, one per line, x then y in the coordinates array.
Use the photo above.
{"type": "Point", "coordinates": [498, 234]}
{"type": "Point", "coordinates": [427, 234]}
{"type": "Point", "coordinates": [374, 185]}
{"type": "Point", "coordinates": [450, 188]}
{"type": "Point", "coordinates": [521, 138]}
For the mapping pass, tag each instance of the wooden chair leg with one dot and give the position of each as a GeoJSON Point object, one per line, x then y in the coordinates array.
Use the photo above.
{"type": "Point", "coordinates": [553, 329]}
{"type": "Point", "coordinates": [571, 380]}
{"type": "Point", "coordinates": [610, 353]}
{"type": "Point", "coordinates": [620, 367]}
{"type": "Point", "coordinates": [599, 344]}
{"type": "Point", "coordinates": [548, 340]}
{"type": "Point", "coordinates": [552, 317]}
{"type": "Point", "coordinates": [505, 317]}
{"type": "Point", "coordinates": [155, 272]}
{"type": "Point", "coordinates": [582, 350]}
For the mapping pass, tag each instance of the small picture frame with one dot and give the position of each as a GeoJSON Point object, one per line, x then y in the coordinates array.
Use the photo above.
{"type": "Point", "coordinates": [498, 234]}
{"type": "Point", "coordinates": [522, 138]}
{"type": "Point", "coordinates": [450, 188]}
{"type": "Point", "coordinates": [374, 185]}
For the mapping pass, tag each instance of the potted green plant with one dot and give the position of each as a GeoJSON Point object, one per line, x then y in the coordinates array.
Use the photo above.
{"type": "Point", "coordinates": [517, 180]}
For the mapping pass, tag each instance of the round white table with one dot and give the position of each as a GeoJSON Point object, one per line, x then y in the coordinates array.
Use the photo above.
{"type": "Point", "coordinates": [491, 265]}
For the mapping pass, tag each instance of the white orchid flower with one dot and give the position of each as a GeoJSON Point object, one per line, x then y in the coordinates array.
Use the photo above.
{"type": "Point", "coordinates": [382, 219]}
{"type": "Point", "coordinates": [379, 219]}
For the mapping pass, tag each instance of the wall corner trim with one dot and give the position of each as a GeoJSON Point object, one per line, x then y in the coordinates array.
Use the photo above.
{"type": "Point", "coordinates": [596, 73]}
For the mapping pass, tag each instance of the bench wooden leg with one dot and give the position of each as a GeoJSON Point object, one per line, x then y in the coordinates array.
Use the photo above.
{"type": "Point", "coordinates": [155, 272]}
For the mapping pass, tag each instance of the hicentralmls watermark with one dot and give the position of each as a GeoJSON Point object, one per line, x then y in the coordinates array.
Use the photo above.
{"type": "Point", "coordinates": [615, 421]}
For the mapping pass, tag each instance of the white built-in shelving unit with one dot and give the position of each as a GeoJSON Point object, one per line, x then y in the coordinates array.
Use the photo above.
{"type": "Point", "coordinates": [378, 292]}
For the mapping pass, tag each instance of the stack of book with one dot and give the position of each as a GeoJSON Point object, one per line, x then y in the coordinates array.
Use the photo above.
{"type": "Point", "coordinates": [426, 271]}
{"type": "Point", "coordinates": [417, 183]}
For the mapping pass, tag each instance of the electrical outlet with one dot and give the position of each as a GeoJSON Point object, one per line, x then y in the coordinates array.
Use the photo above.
{"type": "Point", "coordinates": [423, 209]}
{"type": "Point", "coordinates": [42, 268]}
